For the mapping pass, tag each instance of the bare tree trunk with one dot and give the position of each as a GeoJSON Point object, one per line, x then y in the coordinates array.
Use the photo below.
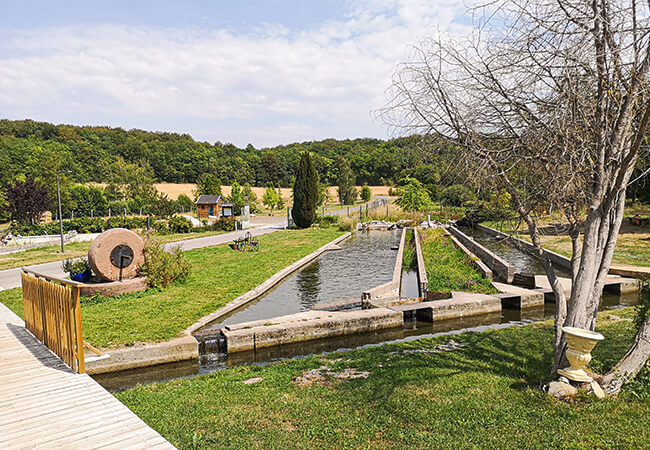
{"type": "Point", "coordinates": [632, 363]}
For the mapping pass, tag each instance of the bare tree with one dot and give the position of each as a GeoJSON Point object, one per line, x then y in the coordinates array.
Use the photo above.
{"type": "Point", "coordinates": [548, 99]}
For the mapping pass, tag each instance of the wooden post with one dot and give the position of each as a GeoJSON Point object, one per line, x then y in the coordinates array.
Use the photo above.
{"type": "Point", "coordinates": [76, 299]}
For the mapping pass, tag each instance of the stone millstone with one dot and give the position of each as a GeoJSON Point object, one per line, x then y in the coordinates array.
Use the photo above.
{"type": "Point", "coordinates": [109, 242]}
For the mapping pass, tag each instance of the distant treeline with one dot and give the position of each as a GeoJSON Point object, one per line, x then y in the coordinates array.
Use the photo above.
{"type": "Point", "coordinates": [29, 148]}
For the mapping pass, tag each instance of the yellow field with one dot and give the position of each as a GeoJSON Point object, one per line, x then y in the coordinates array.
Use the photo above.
{"type": "Point", "coordinates": [173, 190]}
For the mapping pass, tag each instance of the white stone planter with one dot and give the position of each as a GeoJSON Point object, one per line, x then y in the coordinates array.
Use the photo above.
{"type": "Point", "coordinates": [581, 343]}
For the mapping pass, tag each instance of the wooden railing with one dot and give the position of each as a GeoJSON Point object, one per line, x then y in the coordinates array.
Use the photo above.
{"type": "Point", "coordinates": [53, 316]}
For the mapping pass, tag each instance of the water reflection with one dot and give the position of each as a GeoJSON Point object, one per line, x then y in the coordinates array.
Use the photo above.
{"type": "Point", "coordinates": [308, 283]}
{"type": "Point", "coordinates": [365, 261]}
{"type": "Point", "coordinates": [520, 260]}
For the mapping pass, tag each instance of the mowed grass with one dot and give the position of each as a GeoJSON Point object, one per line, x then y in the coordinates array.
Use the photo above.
{"type": "Point", "coordinates": [52, 253]}
{"type": "Point", "coordinates": [219, 275]}
{"type": "Point", "coordinates": [483, 395]}
{"type": "Point", "coordinates": [448, 268]}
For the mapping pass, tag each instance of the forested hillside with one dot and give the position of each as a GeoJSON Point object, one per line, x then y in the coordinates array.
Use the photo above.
{"type": "Point", "coordinates": [33, 149]}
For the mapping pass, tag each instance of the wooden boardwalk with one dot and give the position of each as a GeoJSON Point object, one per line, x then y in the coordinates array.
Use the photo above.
{"type": "Point", "coordinates": [44, 404]}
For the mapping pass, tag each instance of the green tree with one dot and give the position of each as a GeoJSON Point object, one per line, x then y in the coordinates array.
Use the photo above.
{"type": "Point", "coordinates": [345, 182]}
{"type": "Point", "coordinates": [366, 193]}
{"type": "Point", "coordinates": [185, 203]}
{"type": "Point", "coordinates": [305, 193]}
{"type": "Point", "coordinates": [252, 198]}
{"type": "Point", "coordinates": [412, 196]}
{"type": "Point", "coordinates": [208, 184]}
{"type": "Point", "coordinates": [270, 197]}
{"type": "Point", "coordinates": [280, 204]}
{"type": "Point", "coordinates": [457, 195]}
{"type": "Point", "coordinates": [236, 198]}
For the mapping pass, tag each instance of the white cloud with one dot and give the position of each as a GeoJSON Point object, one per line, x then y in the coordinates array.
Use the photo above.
{"type": "Point", "coordinates": [267, 87]}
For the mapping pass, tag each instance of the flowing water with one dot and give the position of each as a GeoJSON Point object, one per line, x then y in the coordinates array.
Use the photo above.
{"type": "Point", "coordinates": [520, 260]}
{"type": "Point", "coordinates": [366, 260]}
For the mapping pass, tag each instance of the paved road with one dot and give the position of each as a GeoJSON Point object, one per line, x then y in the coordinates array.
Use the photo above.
{"type": "Point", "coordinates": [10, 278]}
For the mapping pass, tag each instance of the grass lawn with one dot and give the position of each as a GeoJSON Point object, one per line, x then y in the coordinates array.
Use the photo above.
{"type": "Point", "coordinates": [74, 250]}
{"type": "Point", "coordinates": [632, 246]}
{"type": "Point", "coordinates": [219, 275]}
{"type": "Point", "coordinates": [448, 268]}
{"type": "Point", "coordinates": [482, 395]}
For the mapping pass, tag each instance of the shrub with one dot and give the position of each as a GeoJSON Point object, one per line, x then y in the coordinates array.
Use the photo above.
{"type": "Point", "coordinates": [327, 221]}
{"type": "Point", "coordinates": [75, 266]}
{"type": "Point", "coordinates": [366, 193]}
{"type": "Point", "coordinates": [347, 224]}
{"type": "Point", "coordinates": [179, 224]}
{"type": "Point", "coordinates": [161, 267]}
{"type": "Point", "coordinates": [457, 195]}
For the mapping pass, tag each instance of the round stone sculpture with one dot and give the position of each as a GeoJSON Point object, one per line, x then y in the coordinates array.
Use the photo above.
{"type": "Point", "coordinates": [116, 254]}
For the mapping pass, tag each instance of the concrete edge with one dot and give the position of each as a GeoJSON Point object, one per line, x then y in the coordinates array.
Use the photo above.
{"type": "Point", "coordinates": [499, 266]}
{"type": "Point", "coordinates": [394, 284]}
{"type": "Point", "coordinates": [480, 265]}
{"type": "Point", "coordinates": [423, 278]}
{"type": "Point", "coordinates": [264, 287]}
{"type": "Point", "coordinates": [179, 349]}
{"type": "Point", "coordinates": [556, 258]}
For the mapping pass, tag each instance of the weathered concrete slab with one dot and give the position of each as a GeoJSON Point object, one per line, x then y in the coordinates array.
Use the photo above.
{"type": "Point", "coordinates": [482, 267]}
{"type": "Point", "coordinates": [338, 305]}
{"type": "Point", "coordinates": [638, 272]}
{"type": "Point", "coordinates": [308, 326]}
{"type": "Point", "coordinates": [181, 349]}
{"type": "Point", "coordinates": [391, 290]}
{"type": "Point", "coordinates": [113, 288]}
{"type": "Point", "coordinates": [518, 297]}
{"type": "Point", "coordinates": [423, 278]}
{"type": "Point", "coordinates": [614, 284]}
{"type": "Point", "coordinates": [463, 304]}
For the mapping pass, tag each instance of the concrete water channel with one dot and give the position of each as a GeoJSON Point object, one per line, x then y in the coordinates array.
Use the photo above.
{"type": "Point", "coordinates": [364, 261]}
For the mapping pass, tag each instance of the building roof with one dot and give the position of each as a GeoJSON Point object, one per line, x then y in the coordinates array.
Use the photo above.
{"type": "Point", "coordinates": [208, 199]}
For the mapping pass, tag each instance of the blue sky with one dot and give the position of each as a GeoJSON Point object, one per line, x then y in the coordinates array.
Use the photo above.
{"type": "Point", "coordinates": [267, 73]}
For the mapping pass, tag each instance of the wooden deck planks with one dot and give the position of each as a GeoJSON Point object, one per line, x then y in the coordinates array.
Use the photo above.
{"type": "Point", "coordinates": [43, 404]}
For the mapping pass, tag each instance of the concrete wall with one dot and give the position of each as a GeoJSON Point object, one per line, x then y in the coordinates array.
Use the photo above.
{"type": "Point", "coordinates": [465, 304]}
{"type": "Point", "coordinates": [560, 261]}
{"type": "Point", "coordinates": [308, 326]}
{"type": "Point", "coordinates": [423, 278]}
{"type": "Point", "coordinates": [499, 266]}
{"type": "Point", "coordinates": [485, 270]}
{"type": "Point", "coordinates": [180, 349]}
{"type": "Point", "coordinates": [391, 290]}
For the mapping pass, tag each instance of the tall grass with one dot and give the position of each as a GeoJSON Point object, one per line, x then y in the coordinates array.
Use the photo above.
{"type": "Point", "coordinates": [448, 268]}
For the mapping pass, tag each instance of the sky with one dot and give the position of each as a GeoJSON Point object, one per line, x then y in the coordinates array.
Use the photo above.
{"type": "Point", "coordinates": [262, 72]}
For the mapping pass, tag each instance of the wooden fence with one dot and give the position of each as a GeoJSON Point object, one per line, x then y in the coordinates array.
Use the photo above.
{"type": "Point", "coordinates": [53, 316]}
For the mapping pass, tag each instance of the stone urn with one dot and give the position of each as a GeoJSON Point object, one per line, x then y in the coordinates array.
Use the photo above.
{"type": "Point", "coordinates": [581, 343]}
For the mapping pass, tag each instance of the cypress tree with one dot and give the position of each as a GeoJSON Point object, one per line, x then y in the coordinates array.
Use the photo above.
{"type": "Point", "coordinates": [305, 193]}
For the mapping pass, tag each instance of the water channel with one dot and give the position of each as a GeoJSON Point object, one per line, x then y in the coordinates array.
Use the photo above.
{"type": "Point", "coordinates": [365, 261]}
{"type": "Point", "coordinates": [520, 260]}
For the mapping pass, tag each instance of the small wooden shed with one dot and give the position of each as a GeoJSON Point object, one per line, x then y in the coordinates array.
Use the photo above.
{"type": "Point", "coordinates": [212, 206]}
